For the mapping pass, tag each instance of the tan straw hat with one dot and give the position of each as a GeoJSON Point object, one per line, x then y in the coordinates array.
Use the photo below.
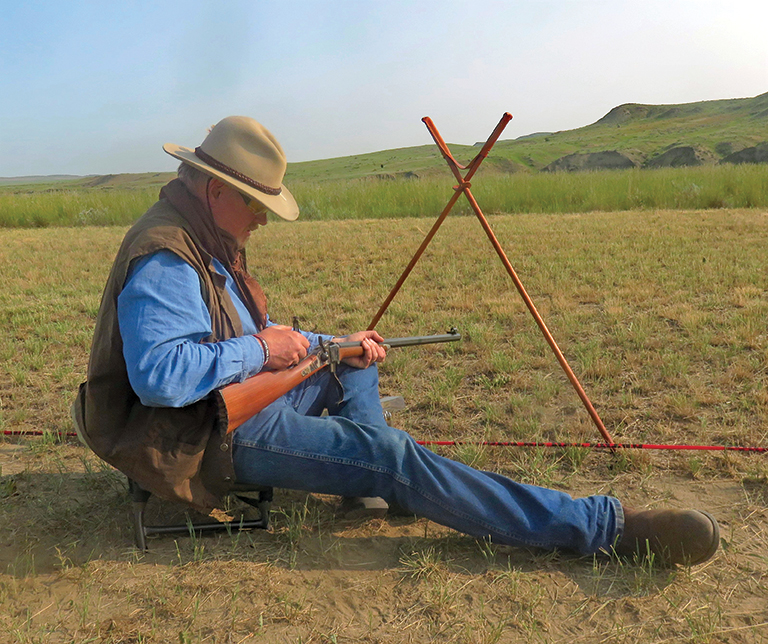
{"type": "Point", "coordinates": [245, 155]}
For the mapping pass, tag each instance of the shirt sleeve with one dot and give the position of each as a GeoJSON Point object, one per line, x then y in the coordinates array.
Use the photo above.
{"type": "Point", "coordinates": [314, 338]}
{"type": "Point", "coordinates": [163, 320]}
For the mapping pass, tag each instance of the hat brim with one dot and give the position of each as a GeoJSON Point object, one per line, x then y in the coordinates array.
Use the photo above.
{"type": "Point", "coordinates": [283, 205]}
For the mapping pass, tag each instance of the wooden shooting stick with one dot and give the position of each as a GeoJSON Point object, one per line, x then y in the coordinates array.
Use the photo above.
{"type": "Point", "coordinates": [463, 187]}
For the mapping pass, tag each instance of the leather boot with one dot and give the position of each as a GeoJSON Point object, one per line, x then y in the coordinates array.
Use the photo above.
{"type": "Point", "coordinates": [686, 537]}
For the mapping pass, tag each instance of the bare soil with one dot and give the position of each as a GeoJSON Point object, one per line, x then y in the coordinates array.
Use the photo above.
{"type": "Point", "coordinates": [71, 573]}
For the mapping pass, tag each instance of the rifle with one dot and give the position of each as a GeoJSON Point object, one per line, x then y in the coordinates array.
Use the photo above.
{"type": "Point", "coordinates": [241, 400]}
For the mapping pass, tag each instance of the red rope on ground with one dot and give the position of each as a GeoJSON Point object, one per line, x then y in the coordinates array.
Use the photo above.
{"type": "Point", "coordinates": [611, 446]}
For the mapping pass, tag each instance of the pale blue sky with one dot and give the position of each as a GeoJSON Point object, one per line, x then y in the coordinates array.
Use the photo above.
{"type": "Point", "coordinates": [98, 87]}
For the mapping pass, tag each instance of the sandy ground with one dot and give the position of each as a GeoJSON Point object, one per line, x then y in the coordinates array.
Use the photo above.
{"type": "Point", "coordinates": [71, 573]}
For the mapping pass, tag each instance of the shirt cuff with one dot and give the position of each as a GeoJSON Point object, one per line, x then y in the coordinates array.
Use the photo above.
{"type": "Point", "coordinates": [253, 356]}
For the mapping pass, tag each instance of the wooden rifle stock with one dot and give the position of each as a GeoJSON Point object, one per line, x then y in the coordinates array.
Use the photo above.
{"type": "Point", "coordinates": [241, 400]}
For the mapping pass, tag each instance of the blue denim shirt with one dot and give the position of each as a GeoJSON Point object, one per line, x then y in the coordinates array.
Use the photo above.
{"type": "Point", "coordinates": [163, 320]}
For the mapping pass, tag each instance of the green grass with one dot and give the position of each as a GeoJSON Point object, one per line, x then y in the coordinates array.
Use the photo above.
{"type": "Point", "coordinates": [73, 207]}
{"type": "Point", "coordinates": [661, 314]}
{"type": "Point", "coordinates": [704, 187]}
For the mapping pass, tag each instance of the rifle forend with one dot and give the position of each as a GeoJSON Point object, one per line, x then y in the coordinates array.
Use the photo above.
{"type": "Point", "coordinates": [241, 400]}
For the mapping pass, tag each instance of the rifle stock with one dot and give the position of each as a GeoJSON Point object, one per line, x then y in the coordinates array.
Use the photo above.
{"type": "Point", "coordinates": [241, 400]}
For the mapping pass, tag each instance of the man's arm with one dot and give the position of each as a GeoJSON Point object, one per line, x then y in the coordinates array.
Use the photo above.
{"type": "Point", "coordinates": [163, 319]}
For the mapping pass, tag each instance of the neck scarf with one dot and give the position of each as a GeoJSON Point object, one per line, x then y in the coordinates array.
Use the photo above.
{"type": "Point", "coordinates": [219, 244]}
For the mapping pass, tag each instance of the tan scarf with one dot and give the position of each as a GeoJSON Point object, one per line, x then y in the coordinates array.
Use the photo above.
{"type": "Point", "coordinates": [220, 244]}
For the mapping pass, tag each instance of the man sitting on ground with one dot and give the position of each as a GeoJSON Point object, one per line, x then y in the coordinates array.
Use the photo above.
{"type": "Point", "coordinates": [181, 317]}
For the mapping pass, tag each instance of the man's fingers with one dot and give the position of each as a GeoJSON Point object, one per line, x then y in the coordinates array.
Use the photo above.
{"type": "Point", "coordinates": [373, 351]}
{"type": "Point", "coordinates": [286, 346]}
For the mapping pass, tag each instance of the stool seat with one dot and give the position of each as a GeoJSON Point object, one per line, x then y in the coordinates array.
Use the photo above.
{"type": "Point", "coordinates": [141, 531]}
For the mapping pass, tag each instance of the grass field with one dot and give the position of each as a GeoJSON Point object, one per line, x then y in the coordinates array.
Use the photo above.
{"type": "Point", "coordinates": [660, 313]}
{"type": "Point", "coordinates": [122, 199]}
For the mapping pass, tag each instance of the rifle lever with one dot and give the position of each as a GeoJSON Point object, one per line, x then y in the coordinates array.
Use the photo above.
{"type": "Point", "coordinates": [329, 354]}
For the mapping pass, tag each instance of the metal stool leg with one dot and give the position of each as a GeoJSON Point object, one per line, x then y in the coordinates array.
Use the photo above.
{"type": "Point", "coordinates": [139, 496]}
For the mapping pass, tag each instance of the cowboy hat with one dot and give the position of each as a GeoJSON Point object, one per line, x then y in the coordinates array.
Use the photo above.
{"type": "Point", "coordinates": [244, 155]}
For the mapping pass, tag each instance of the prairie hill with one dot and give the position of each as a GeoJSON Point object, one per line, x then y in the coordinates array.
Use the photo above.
{"type": "Point", "coordinates": [705, 132]}
{"type": "Point", "coordinates": [127, 180]}
{"type": "Point", "coordinates": [32, 179]}
{"type": "Point", "coordinates": [711, 130]}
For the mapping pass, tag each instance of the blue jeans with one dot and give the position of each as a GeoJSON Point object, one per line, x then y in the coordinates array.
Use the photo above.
{"type": "Point", "coordinates": [353, 452]}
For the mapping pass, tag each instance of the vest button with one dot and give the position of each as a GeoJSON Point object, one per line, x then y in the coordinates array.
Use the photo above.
{"type": "Point", "coordinates": [224, 447]}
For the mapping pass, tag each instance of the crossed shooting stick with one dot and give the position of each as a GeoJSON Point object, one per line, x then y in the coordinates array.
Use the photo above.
{"type": "Point", "coordinates": [463, 187]}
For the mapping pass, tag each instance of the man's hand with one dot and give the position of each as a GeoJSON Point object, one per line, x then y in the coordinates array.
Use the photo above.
{"type": "Point", "coordinates": [372, 351]}
{"type": "Point", "coordinates": [286, 347]}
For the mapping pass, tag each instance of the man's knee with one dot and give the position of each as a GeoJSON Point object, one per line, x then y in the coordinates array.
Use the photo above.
{"type": "Point", "coordinates": [392, 445]}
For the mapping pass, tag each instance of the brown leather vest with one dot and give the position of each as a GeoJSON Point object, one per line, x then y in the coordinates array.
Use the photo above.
{"type": "Point", "coordinates": [179, 454]}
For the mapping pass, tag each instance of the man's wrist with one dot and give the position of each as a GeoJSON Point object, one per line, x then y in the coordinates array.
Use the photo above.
{"type": "Point", "coordinates": [264, 348]}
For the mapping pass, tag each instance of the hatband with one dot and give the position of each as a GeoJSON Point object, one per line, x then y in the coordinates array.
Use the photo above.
{"type": "Point", "coordinates": [223, 167]}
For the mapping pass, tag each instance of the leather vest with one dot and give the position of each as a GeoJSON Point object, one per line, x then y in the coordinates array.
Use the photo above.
{"type": "Point", "coordinates": [180, 454]}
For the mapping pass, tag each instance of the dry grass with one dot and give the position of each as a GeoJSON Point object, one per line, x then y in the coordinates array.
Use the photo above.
{"type": "Point", "coordinates": [662, 316]}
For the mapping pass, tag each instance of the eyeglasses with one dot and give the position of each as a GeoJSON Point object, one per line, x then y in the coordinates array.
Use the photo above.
{"type": "Point", "coordinates": [254, 205]}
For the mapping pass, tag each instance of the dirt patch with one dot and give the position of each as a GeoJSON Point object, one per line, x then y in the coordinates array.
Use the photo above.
{"type": "Point", "coordinates": [754, 154]}
{"type": "Point", "coordinates": [70, 573]}
{"type": "Point", "coordinates": [679, 156]}
{"type": "Point", "coordinates": [11, 459]}
{"type": "Point", "coordinates": [608, 160]}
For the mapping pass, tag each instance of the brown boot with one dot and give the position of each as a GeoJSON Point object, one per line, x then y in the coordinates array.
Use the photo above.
{"type": "Point", "coordinates": [685, 537]}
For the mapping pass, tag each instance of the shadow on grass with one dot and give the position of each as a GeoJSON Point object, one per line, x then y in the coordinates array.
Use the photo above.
{"type": "Point", "coordinates": [56, 521]}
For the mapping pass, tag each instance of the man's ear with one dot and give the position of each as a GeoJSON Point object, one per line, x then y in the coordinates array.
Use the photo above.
{"type": "Point", "coordinates": [215, 186]}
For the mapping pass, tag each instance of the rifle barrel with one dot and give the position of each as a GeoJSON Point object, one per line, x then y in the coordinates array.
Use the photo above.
{"type": "Point", "coordinates": [410, 341]}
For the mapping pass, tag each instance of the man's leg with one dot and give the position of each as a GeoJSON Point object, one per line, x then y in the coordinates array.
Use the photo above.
{"type": "Point", "coordinates": [337, 455]}
{"type": "Point", "coordinates": [355, 453]}
{"type": "Point", "coordinates": [357, 392]}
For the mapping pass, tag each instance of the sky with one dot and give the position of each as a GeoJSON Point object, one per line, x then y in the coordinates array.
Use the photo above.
{"type": "Point", "coordinates": [98, 87]}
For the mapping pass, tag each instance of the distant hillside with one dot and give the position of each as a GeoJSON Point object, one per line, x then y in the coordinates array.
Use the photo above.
{"type": "Point", "coordinates": [642, 135]}
{"type": "Point", "coordinates": [140, 180]}
{"type": "Point", "coordinates": [7, 181]}
{"type": "Point", "coordinates": [630, 135]}
{"type": "Point", "coordinates": [687, 134]}
{"type": "Point", "coordinates": [385, 165]}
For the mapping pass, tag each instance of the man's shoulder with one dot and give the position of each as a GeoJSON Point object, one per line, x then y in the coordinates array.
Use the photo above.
{"type": "Point", "coordinates": [161, 219]}
{"type": "Point", "coordinates": [161, 227]}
